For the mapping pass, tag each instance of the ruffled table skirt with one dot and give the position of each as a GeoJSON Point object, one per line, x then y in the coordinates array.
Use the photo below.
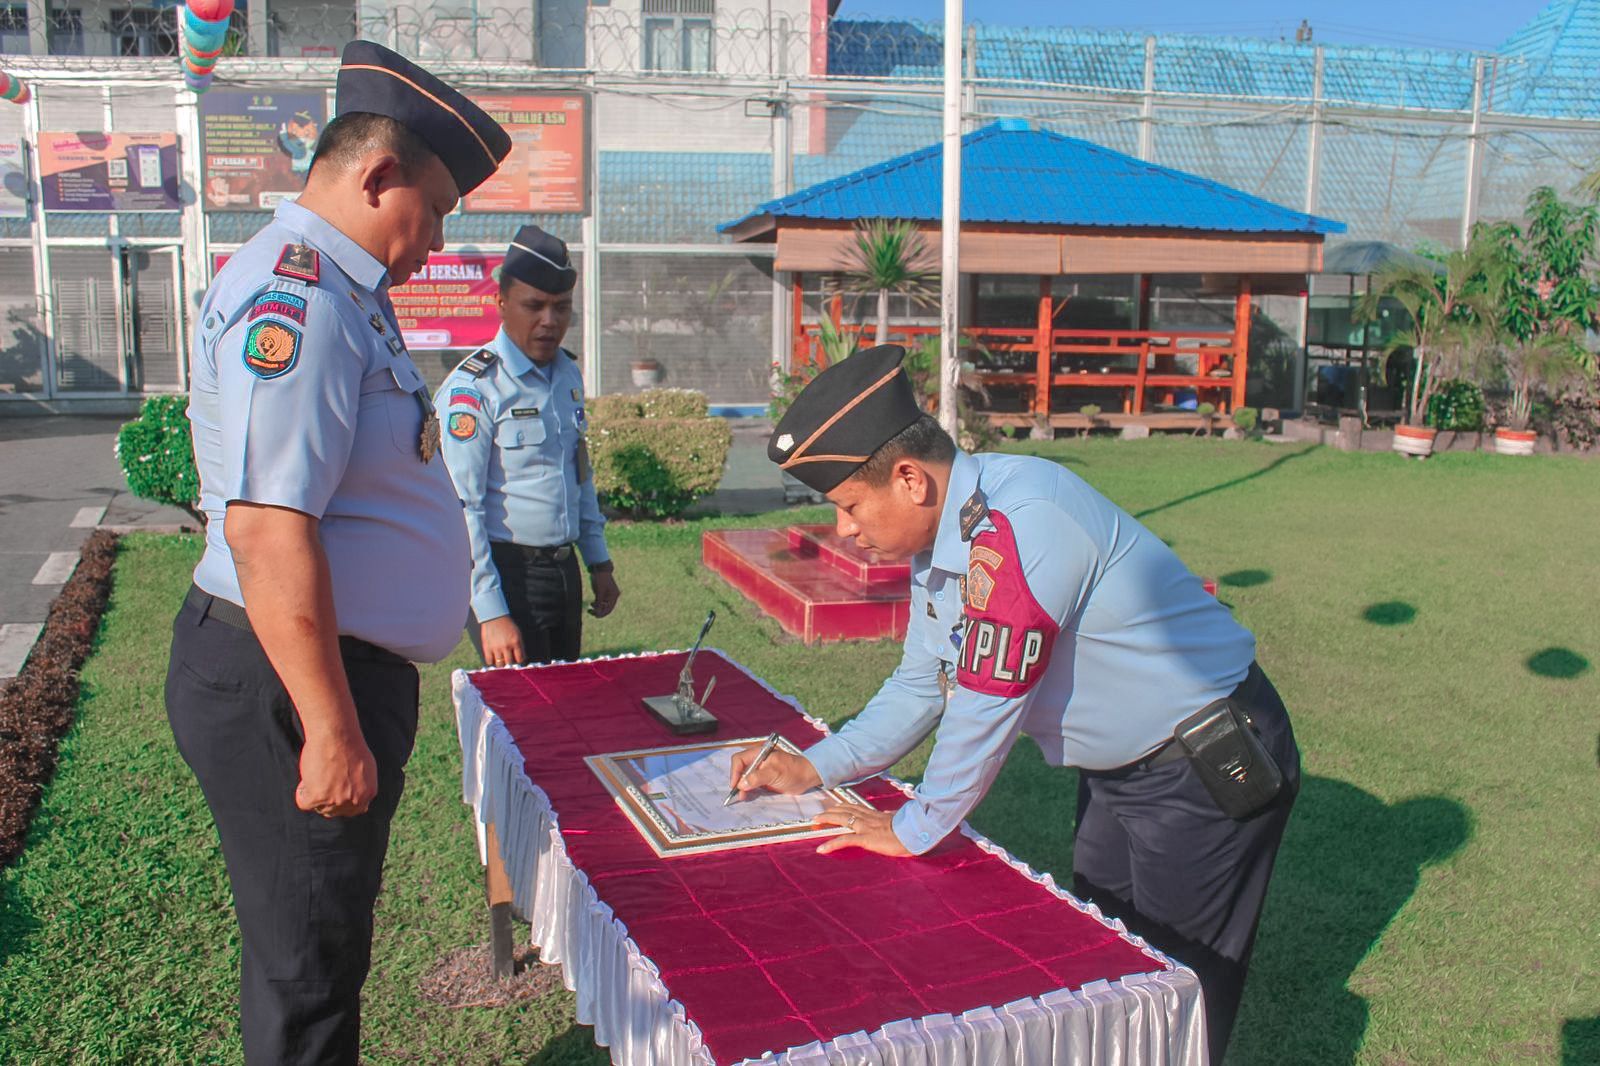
{"type": "Point", "coordinates": [679, 961]}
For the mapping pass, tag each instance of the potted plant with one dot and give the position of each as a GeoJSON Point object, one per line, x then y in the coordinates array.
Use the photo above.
{"type": "Point", "coordinates": [1245, 420]}
{"type": "Point", "coordinates": [1543, 303]}
{"type": "Point", "coordinates": [1206, 411]}
{"type": "Point", "coordinates": [1540, 364]}
{"type": "Point", "coordinates": [647, 373]}
{"type": "Point", "coordinates": [1443, 331]}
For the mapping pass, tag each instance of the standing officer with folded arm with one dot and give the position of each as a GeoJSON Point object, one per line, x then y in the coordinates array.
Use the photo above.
{"type": "Point", "coordinates": [1040, 607]}
{"type": "Point", "coordinates": [514, 438]}
{"type": "Point", "coordinates": [335, 549]}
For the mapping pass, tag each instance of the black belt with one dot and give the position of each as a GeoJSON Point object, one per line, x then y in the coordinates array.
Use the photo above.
{"type": "Point", "coordinates": [557, 553]}
{"type": "Point", "coordinates": [231, 614]}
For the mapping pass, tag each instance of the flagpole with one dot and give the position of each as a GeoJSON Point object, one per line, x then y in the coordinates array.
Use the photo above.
{"type": "Point", "coordinates": [950, 224]}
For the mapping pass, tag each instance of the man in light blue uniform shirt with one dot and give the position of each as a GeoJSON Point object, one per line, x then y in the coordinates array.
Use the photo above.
{"type": "Point", "coordinates": [514, 438]}
{"type": "Point", "coordinates": [335, 548]}
{"type": "Point", "coordinates": [1040, 607]}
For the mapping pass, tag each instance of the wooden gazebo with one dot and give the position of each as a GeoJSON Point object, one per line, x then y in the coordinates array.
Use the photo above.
{"type": "Point", "coordinates": [1039, 204]}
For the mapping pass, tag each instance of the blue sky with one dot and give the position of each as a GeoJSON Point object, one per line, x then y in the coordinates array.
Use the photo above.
{"type": "Point", "coordinates": [1435, 23]}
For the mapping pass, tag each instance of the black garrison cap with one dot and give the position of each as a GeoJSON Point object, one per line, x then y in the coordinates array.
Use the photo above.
{"type": "Point", "coordinates": [540, 260]}
{"type": "Point", "coordinates": [461, 134]}
{"type": "Point", "coordinates": [849, 411]}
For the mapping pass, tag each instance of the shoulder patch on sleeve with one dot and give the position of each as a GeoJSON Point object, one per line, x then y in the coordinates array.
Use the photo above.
{"type": "Point", "coordinates": [271, 348]}
{"type": "Point", "coordinates": [975, 510]}
{"type": "Point", "coordinates": [1009, 636]}
{"type": "Point", "coordinates": [463, 425]}
{"type": "Point", "coordinates": [461, 396]}
{"type": "Point", "coordinates": [291, 306]}
{"type": "Point", "coordinates": [299, 261]}
{"type": "Point", "coordinates": [478, 363]}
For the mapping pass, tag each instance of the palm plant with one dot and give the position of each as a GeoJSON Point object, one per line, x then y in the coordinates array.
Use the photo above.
{"type": "Point", "coordinates": [1445, 335]}
{"type": "Point", "coordinates": [890, 257]}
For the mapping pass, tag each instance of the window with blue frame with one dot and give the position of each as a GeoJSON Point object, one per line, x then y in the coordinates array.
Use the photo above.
{"type": "Point", "coordinates": [677, 35]}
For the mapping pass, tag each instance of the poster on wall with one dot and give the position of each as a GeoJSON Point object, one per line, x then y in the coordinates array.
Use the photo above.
{"type": "Point", "coordinates": [13, 179]}
{"type": "Point", "coordinates": [109, 171]}
{"type": "Point", "coordinates": [258, 146]}
{"type": "Point", "coordinates": [450, 303]}
{"type": "Point", "coordinates": [547, 171]}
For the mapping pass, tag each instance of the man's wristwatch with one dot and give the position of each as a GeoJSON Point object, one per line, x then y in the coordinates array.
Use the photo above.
{"type": "Point", "coordinates": [602, 568]}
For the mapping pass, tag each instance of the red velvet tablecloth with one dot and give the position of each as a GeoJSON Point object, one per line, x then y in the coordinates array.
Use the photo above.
{"type": "Point", "coordinates": [776, 947]}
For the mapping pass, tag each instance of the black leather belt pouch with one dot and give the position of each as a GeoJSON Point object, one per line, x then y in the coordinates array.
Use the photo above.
{"type": "Point", "coordinates": [1227, 753]}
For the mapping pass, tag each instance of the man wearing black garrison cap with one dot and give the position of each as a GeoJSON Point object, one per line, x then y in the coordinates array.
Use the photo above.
{"type": "Point", "coordinates": [336, 554]}
{"type": "Point", "coordinates": [1040, 607]}
{"type": "Point", "coordinates": [514, 439]}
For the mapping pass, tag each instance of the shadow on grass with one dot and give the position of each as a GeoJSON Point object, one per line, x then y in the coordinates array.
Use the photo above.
{"type": "Point", "coordinates": [574, 1047]}
{"type": "Point", "coordinates": [1390, 613]}
{"type": "Point", "coordinates": [1580, 1041]}
{"type": "Point", "coordinates": [17, 922]}
{"type": "Point", "coordinates": [1245, 579]}
{"type": "Point", "coordinates": [1561, 663]}
{"type": "Point", "coordinates": [1349, 862]}
{"type": "Point", "coordinates": [1222, 486]}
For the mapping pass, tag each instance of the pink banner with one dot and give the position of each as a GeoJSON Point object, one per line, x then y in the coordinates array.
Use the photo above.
{"type": "Point", "coordinates": [450, 303]}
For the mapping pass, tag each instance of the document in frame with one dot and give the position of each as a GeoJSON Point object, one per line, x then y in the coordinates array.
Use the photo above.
{"type": "Point", "coordinates": [673, 795]}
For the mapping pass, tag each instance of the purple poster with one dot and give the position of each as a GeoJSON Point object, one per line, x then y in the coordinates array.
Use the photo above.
{"type": "Point", "coordinates": [109, 171]}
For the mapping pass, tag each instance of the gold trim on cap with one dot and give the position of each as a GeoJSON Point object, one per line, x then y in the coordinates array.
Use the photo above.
{"type": "Point", "coordinates": [840, 413]}
{"type": "Point", "coordinates": [459, 117]}
{"type": "Point", "coordinates": [827, 459]}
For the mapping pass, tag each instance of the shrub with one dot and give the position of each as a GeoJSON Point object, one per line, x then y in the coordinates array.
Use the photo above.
{"type": "Point", "coordinates": [651, 403]}
{"type": "Point", "coordinates": [1458, 406]}
{"type": "Point", "coordinates": [37, 707]}
{"type": "Point", "coordinates": [156, 453]}
{"type": "Point", "coordinates": [1245, 418]}
{"type": "Point", "coordinates": [651, 464]}
{"type": "Point", "coordinates": [1091, 411]}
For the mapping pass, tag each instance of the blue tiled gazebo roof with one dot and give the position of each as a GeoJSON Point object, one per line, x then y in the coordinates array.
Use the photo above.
{"type": "Point", "coordinates": [1012, 173]}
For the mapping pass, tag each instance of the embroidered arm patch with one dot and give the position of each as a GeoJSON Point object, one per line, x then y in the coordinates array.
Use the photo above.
{"type": "Point", "coordinates": [1009, 636]}
{"type": "Point", "coordinates": [463, 425]}
{"type": "Point", "coordinates": [271, 348]}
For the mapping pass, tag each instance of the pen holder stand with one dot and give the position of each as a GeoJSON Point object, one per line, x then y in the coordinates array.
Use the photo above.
{"type": "Point", "coordinates": [681, 714]}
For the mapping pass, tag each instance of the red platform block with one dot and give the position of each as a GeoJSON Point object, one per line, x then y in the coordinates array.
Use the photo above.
{"type": "Point", "coordinates": [817, 585]}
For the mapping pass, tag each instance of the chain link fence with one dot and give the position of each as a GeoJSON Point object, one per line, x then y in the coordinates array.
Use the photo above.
{"type": "Point", "coordinates": [698, 110]}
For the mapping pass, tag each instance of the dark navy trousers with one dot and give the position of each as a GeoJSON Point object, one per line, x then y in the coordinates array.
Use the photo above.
{"type": "Point", "coordinates": [304, 886]}
{"type": "Point", "coordinates": [1153, 849]}
{"type": "Point", "coordinates": [545, 598]}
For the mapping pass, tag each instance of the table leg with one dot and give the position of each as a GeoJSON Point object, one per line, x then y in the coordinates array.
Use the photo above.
{"type": "Point", "coordinates": [497, 887]}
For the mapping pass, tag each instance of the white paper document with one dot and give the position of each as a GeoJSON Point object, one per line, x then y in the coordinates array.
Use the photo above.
{"type": "Point", "coordinates": [674, 796]}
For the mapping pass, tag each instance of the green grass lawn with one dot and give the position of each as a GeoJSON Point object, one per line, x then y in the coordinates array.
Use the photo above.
{"type": "Point", "coordinates": [1431, 626]}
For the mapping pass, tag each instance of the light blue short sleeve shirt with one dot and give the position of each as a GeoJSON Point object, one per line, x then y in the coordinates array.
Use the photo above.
{"type": "Point", "coordinates": [303, 396]}
{"type": "Point", "coordinates": [1139, 645]}
{"type": "Point", "coordinates": [513, 431]}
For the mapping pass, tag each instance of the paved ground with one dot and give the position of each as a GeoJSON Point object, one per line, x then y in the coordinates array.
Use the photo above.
{"type": "Point", "coordinates": [59, 480]}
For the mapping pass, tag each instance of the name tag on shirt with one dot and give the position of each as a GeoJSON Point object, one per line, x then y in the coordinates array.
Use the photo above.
{"type": "Point", "coordinates": [524, 412]}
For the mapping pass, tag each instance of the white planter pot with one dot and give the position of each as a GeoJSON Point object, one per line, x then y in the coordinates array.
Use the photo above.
{"type": "Point", "coordinates": [1514, 441]}
{"type": "Point", "coordinates": [647, 376]}
{"type": "Point", "coordinates": [1414, 441]}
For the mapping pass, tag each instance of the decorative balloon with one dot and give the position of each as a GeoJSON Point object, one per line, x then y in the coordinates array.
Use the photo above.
{"type": "Point", "coordinates": [13, 89]}
{"type": "Point", "coordinates": [203, 32]}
